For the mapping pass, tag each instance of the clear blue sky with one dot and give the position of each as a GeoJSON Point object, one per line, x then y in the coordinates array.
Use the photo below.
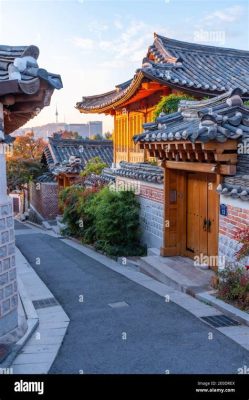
{"type": "Point", "coordinates": [95, 45]}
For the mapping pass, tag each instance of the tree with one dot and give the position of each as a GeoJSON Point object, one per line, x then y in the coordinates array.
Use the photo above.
{"type": "Point", "coordinates": [94, 166]}
{"type": "Point", "coordinates": [169, 104]}
{"type": "Point", "coordinates": [26, 147]}
{"type": "Point", "coordinates": [96, 137]}
{"type": "Point", "coordinates": [24, 164]}
{"type": "Point", "coordinates": [21, 172]}
{"type": "Point", "coordinates": [108, 135]}
{"type": "Point", "coordinates": [68, 135]}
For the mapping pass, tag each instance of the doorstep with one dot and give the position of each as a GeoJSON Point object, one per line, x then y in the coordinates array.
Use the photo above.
{"type": "Point", "coordinates": [180, 273]}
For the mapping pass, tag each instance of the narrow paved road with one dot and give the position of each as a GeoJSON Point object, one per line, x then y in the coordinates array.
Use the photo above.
{"type": "Point", "coordinates": [159, 336]}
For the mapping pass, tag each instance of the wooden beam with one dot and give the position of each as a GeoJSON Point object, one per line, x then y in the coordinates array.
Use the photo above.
{"type": "Point", "coordinates": [220, 147]}
{"type": "Point", "coordinates": [231, 158]}
{"type": "Point", "coordinates": [202, 167]}
{"type": "Point", "coordinates": [227, 169]}
{"type": "Point", "coordinates": [192, 166]}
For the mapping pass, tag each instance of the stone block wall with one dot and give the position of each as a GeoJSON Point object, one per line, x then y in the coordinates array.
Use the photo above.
{"type": "Point", "coordinates": [151, 220]}
{"type": "Point", "coordinates": [8, 283]}
{"type": "Point", "coordinates": [44, 199]}
{"type": "Point", "coordinates": [150, 197]}
{"type": "Point", "coordinates": [237, 217]}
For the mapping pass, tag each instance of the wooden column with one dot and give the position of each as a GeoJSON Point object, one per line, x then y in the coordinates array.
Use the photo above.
{"type": "Point", "coordinates": [8, 283]}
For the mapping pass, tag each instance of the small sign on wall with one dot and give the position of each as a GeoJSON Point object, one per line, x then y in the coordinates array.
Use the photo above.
{"type": "Point", "coordinates": [223, 210]}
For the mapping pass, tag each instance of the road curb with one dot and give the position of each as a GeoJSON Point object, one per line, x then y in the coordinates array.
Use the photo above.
{"type": "Point", "coordinates": [231, 311]}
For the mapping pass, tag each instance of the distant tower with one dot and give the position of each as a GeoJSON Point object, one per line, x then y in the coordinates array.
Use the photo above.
{"type": "Point", "coordinates": [56, 114]}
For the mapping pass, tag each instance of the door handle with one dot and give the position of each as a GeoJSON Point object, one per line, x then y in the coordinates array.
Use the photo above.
{"type": "Point", "coordinates": [209, 223]}
{"type": "Point", "coordinates": [205, 224]}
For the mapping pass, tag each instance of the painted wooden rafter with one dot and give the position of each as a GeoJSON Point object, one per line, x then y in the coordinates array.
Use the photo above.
{"type": "Point", "coordinates": [206, 157]}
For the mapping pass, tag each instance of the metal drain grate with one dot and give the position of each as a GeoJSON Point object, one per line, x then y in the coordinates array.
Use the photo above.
{"type": "Point", "coordinates": [44, 303]}
{"type": "Point", "coordinates": [218, 321]}
{"type": "Point", "coordinates": [118, 304]}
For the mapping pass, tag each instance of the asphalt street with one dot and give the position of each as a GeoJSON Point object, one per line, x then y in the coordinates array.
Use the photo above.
{"type": "Point", "coordinates": [146, 335]}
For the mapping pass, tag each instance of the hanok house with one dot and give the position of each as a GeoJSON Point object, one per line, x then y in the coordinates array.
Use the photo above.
{"type": "Point", "coordinates": [204, 152]}
{"type": "Point", "coordinates": [65, 159]}
{"type": "Point", "coordinates": [173, 66]}
{"type": "Point", "coordinates": [24, 90]}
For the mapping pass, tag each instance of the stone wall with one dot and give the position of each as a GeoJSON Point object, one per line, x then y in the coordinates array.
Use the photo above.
{"type": "Point", "coordinates": [237, 217]}
{"type": "Point", "coordinates": [44, 199]}
{"type": "Point", "coordinates": [8, 284]}
{"type": "Point", "coordinates": [150, 197]}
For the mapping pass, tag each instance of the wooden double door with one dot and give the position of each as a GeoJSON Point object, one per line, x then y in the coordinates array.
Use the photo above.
{"type": "Point", "coordinates": [201, 215]}
{"type": "Point", "coordinates": [191, 215]}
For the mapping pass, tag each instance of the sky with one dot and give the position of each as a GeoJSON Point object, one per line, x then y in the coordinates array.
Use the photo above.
{"type": "Point", "coordinates": [95, 45]}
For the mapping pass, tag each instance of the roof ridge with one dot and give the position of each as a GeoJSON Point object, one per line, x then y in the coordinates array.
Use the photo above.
{"type": "Point", "coordinates": [201, 47]}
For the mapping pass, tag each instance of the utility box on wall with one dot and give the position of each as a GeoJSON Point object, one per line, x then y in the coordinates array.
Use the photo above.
{"type": "Point", "coordinates": [223, 210]}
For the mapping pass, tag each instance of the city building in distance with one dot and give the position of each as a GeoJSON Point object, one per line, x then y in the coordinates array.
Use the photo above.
{"type": "Point", "coordinates": [86, 130]}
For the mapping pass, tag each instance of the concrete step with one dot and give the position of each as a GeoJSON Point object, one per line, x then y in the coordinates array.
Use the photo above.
{"type": "Point", "coordinates": [153, 267]}
{"type": "Point", "coordinates": [164, 270]}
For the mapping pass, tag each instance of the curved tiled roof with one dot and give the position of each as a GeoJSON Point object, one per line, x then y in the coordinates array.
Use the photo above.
{"type": "Point", "coordinates": [140, 171]}
{"type": "Point", "coordinates": [71, 155]}
{"type": "Point", "coordinates": [47, 177]}
{"type": "Point", "coordinates": [236, 187]}
{"type": "Point", "coordinates": [191, 67]}
{"type": "Point", "coordinates": [20, 78]}
{"type": "Point", "coordinates": [217, 122]}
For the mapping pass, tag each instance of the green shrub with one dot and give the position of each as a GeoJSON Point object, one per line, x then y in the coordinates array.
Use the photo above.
{"type": "Point", "coordinates": [73, 201]}
{"type": "Point", "coordinates": [107, 219]}
{"type": "Point", "coordinates": [116, 220]}
{"type": "Point", "coordinates": [169, 104]}
{"type": "Point", "coordinates": [94, 166]}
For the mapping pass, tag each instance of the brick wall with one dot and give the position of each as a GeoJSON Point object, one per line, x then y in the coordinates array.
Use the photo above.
{"type": "Point", "coordinates": [44, 199]}
{"type": "Point", "coordinates": [150, 197]}
{"type": "Point", "coordinates": [8, 284]}
{"type": "Point", "coordinates": [237, 217]}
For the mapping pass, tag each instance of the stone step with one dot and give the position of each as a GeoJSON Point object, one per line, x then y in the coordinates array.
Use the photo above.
{"type": "Point", "coordinates": [190, 281]}
{"type": "Point", "coordinates": [153, 267]}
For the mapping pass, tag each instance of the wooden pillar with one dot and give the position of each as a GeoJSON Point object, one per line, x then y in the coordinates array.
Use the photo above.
{"type": "Point", "coordinates": [128, 136]}
{"type": "Point", "coordinates": [170, 213]}
{"type": "Point", "coordinates": [8, 282]}
{"type": "Point", "coordinates": [115, 140]}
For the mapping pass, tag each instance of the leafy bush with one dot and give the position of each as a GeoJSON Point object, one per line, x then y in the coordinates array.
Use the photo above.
{"type": "Point", "coordinates": [73, 200]}
{"type": "Point", "coordinates": [107, 219]}
{"type": "Point", "coordinates": [116, 217]}
{"type": "Point", "coordinates": [94, 166]}
{"type": "Point", "coordinates": [234, 286]}
{"type": "Point", "coordinates": [169, 104]}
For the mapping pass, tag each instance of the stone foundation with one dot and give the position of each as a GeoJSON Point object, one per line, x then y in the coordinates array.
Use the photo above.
{"type": "Point", "coordinates": [8, 283]}
{"type": "Point", "coordinates": [150, 197]}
